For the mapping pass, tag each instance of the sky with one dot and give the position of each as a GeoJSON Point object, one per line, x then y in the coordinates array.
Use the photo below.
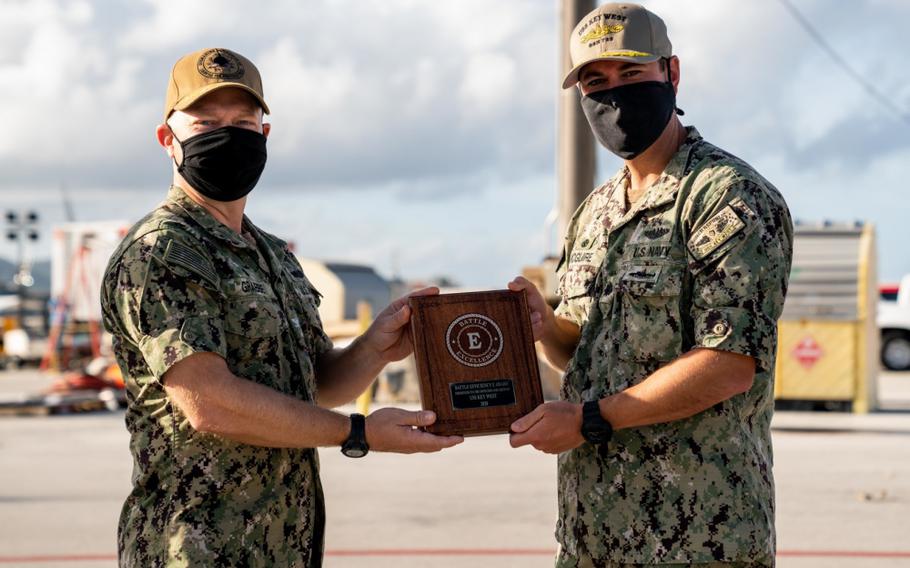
{"type": "Point", "coordinates": [419, 136]}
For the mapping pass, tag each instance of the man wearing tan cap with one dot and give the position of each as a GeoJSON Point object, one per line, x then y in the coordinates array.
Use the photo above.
{"type": "Point", "coordinates": [673, 277]}
{"type": "Point", "coordinates": [217, 333]}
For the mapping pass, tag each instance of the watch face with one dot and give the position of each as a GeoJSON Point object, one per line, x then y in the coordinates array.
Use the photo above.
{"type": "Point", "coordinates": [354, 452]}
{"type": "Point", "coordinates": [356, 445]}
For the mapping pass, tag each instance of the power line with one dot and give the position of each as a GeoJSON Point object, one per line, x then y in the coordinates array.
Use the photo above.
{"type": "Point", "coordinates": [842, 63]}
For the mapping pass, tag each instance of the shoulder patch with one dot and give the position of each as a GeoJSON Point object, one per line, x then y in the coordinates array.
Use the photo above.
{"type": "Point", "coordinates": [186, 257]}
{"type": "Point", "coordinates": [715, 232]}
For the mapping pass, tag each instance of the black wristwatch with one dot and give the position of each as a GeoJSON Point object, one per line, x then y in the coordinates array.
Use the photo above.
{"type": "Point", "coordinates": [356, 445]}
{"type": "Point", "coordinates": [594, 427]}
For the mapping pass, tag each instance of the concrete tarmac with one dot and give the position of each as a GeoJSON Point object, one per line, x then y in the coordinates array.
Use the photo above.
{"type": "Point", "coordinates": [843, 494]}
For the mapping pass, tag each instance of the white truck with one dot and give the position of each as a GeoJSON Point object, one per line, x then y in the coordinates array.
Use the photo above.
{"type": "Point", "coordinates": [894, 322]}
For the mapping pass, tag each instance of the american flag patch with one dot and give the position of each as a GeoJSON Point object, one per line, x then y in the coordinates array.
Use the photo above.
{"type": "Point", "coordinates": [186, 257]}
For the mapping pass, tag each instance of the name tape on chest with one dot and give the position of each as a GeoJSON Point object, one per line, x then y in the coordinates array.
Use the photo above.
{"type": "Point", "coordinates": [245, 287]}
{"type": "Point", "coordinates": [716, 231]}
{"type": "Point", "coordinates": [583, 257]}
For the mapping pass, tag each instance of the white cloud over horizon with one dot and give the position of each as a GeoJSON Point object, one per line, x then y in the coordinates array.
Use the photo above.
{"type": "Point", "coordinates": [425, 130]}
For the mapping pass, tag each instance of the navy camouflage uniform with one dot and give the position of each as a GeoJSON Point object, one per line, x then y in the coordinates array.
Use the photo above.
{"type": "Point", "coordinates": [700, 260]}
{"type": "Point", "coordinates": [182, 283]}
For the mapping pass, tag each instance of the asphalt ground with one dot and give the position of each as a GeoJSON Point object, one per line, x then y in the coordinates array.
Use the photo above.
{"type": "Point", "coordinates": [843, 493]}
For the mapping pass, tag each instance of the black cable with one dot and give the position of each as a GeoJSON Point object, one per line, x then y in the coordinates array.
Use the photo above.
{"type": "Point", "coordinates": [840, 61]}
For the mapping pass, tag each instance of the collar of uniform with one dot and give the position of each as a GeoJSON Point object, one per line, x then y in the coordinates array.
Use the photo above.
{"type": "Point", "coordinates": [269, 246]}
{"type": "Point", "coordinates": [216, 228]}
{"type": "Point", "coordinates": [265, 239]}
{"type": "Point", "coordinates": [661, 192]}
{"type": "Point", "coordinates": [666, 187]}
{"type": "Point", "coordinates": [614, 206]}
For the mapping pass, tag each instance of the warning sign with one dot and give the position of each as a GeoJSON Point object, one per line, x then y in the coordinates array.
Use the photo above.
{"type": "Point", "coordinates": [808, 352]}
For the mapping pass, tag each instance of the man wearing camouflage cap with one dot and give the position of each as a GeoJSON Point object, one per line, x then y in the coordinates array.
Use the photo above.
{"type": "Point", "coordinates": [218, 336]}
{"type": "Point", "coordinates": [673, 277]}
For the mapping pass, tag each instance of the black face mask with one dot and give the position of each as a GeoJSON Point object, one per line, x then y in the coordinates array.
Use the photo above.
{"type": "Point", "coordinates": [223, 164]}
{"type": "Point", "coordinates": [628, 119]}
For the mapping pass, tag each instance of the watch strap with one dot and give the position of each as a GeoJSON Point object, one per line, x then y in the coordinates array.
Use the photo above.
{"type": "Point", "coordinates": [356, 444]}
{"type": "Point", "coordinates": [594, 427]}
{"type": "Point", "coordinates": [590, 412]}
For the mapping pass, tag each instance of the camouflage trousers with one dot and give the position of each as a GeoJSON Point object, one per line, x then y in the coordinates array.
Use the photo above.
{"type": "Point", "coordinates": [564, 560]}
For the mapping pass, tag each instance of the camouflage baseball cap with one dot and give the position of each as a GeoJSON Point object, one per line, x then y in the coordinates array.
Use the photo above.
{"type": "Point", "coordinates": [620, 32]}
{"type": "Point", "coordinates": [201, 72]}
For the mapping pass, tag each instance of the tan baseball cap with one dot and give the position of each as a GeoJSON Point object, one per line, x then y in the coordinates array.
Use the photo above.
{"type": "Point", "coordinates": [201, 72]}
{"type": "Point", "coordinates": [617, 31]}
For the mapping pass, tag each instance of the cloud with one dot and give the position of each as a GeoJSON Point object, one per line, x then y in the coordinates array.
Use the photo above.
{"type": "Point", "coordinates": [360, 98]}
{"type": "Point", "coordinates": [69, 105]}
{"type": "Point", "coordinates": [411, 90]}
{"type": "Point", "coordinates": [854, 142]}
{"type": "Point", "coordinates": [489, 85]}
{"type": "Point", "coordinates": [376, 111]}
{"type": "Point", "coordinates": [419, 102]}
{"type": "Point", "coordinates": [751, 74]}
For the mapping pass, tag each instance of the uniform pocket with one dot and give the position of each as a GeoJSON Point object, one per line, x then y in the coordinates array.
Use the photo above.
{"type": "Point", "coordinates": [252, 317]}
{"type": "Point", "coordinates": [652, 326]}
{"type": "Point", "coordinates": [253, 329]}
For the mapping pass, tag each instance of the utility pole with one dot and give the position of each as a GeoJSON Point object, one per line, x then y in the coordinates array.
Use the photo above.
{"type": "Point", "coordinates": [575, 159]}
{"type": "Point", "coordinates": [22, 226]}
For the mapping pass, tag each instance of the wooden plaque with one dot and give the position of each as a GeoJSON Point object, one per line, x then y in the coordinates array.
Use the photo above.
{"type": "Point", "coordinates": [476, 360]}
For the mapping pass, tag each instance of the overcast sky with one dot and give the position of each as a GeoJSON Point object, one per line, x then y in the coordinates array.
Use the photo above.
{"type": "Point", "coordinates": [418, 136]}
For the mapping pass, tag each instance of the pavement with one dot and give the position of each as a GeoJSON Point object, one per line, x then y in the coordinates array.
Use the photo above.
{"type": "Point", "coordinates": [843, 493]}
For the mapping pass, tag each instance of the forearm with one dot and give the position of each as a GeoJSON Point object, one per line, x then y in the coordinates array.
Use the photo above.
{"type": "Point", "coordinates": [342, 374]}
{"type": "Point", "coordinates": [218, 402]}
{"type": "Point", "coordinates": [559, 341]}
{"type": "Point", "coordinates": [690, 384]}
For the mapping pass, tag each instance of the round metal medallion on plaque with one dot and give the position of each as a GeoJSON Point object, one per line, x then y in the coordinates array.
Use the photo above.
{"type": "Point", "coordinates": [474, 340]}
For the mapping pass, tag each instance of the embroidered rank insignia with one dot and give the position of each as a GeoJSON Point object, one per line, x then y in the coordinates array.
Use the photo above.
{"type": "Point", "coordinates": [715, 232]}
{"type": "Point", "coordinates": [186, 257]}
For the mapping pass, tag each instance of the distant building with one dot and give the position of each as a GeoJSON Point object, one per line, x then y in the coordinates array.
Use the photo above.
{"type": "Point", "coordinates": [343, 286]}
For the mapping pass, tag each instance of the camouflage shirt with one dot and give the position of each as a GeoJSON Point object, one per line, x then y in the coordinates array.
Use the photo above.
{"type": "Point", "coordinates": [701, 260]}
{"type": "Point", "coordinates": [182, 283]}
